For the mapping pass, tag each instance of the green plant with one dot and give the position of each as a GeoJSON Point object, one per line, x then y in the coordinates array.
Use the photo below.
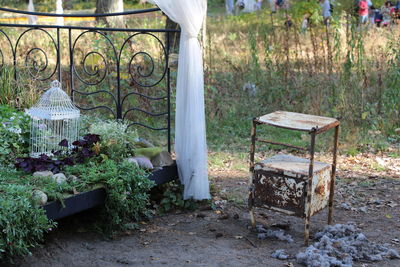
{"type": "Point", "coordinates": [85, 148]}
{"type": "Point", "coordinates": [127, 189]}
{"type": "Point", "coordinates": [117, 141]}
{"type": "Point", "coordinates": [23, 224]}
{"type": "Point", "coordinates": [14, 134]}
{"type": "Point", "coordinates": [172, 199]}
{"type": "Point", "coordinates": [49, 186]}
{"type": "Point", "coordinates": [19, 94]}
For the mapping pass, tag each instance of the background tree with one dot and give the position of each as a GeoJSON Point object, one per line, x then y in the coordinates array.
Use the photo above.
{"type": "Point", "coordinates": [174, 37]}
{"type": "Point", "coordinates": [111, 6]}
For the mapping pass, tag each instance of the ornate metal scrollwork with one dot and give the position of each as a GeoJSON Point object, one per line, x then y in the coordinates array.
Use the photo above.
{"type": "Point", "coordinates": [142, 66]}
{"type": "Point", "coordinates": [132, 82]}
{"type": "Point", "coordinates": [2, 54]}
{"type": "Point", "coordinates": [94, 72]}
{"type": "Point", "coordinates": [36, 59]}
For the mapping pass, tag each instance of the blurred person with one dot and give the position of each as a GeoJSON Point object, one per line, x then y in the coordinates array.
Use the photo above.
{"type": "Point", "coordinates": [305, 23]}
{"type": "Point", "coordinates": [280, 4]}
{"type": "Point", "coordinates": [230, 6]}
{"type": "Point", "coordinates": [378, 17]}
{"type": "Point", "coordinates": [386, 11]}
{"type": "Point", "coordinates": [272, 5]}
{"type": "Point", "coordinates": [326, 10]}
{"type": "Point", "coordinates": [259, 4]}
{"type": "Point", "coordinates": [363, 11]}
{"type": "Point", "coordinates": [288, 22]}
{"type": "Point", "coordinates": [397, 10]}
{"type": "Point", "coordinates": [371, 12]}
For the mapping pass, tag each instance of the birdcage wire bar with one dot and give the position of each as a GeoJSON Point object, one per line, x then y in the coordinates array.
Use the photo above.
{"type": "Point", "coordinates": [53, 119]}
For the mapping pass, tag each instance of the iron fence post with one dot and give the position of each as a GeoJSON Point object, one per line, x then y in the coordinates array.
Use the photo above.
{"type": "Point", "coordinates": [168, 93]}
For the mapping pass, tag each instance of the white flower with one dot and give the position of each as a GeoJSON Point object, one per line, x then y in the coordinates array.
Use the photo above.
{"type": "Point", "coordinates": [15, 130]}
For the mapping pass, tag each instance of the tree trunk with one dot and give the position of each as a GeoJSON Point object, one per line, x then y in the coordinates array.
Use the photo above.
{"type": "Point", "coordinates": [31, 8]}
{"type": "Point", "coordinates": [59, 10]}
{"type": "Point", "coordinates": [110, 6]}
{"type": "Point", "coordinates": [174, 37]}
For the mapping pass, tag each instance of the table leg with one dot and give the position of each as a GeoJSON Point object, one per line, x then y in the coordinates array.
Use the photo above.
{"type": "Point", "coordinates": [253, 144]}
{"type": "Point", "coordinates": [333, 175]}
{"type": "Point", "coordinates": [251, 181]}
{"type": "Point", "coordinates": [309, 189]}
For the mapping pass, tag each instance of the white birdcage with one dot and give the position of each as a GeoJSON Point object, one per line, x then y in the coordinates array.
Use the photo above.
{"type": "Point", "coordinates": [53, 119]}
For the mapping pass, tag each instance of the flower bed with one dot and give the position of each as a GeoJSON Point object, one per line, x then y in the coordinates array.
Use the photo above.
{"type": "Point", "coordinates": [109, 165]}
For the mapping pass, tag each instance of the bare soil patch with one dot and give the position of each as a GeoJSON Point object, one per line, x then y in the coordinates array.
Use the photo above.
{"type": "Point", "coordinates": [221, 237]}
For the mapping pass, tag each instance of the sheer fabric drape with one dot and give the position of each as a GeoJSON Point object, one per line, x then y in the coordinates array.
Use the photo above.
{"type": "Point", "coordinates": [190, 131]}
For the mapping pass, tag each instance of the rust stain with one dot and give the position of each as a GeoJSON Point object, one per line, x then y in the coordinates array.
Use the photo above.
{"type": "Point", "coordinates": [320, 190]}
{"type": "Point", "coordinates": [276, 190]}
{"type": "Point", "coordinates": [275, 119]}
{"type": "Point", "coordinates": [309, 122]}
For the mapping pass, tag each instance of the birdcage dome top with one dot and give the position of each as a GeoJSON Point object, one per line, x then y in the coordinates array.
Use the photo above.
{"type": "Point", "coordinates": [54, 104]}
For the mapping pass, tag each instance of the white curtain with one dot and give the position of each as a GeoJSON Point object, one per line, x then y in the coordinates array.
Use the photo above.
{"type": "Point", "coordinates": [190, 131]}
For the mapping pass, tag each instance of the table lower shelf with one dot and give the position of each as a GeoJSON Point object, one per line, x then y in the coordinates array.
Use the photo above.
{"type": "Point", "coordinates": [90, 199]}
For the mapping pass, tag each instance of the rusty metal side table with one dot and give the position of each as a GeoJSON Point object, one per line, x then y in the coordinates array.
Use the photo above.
{"type": "Point", "coordinates": [289, 184]}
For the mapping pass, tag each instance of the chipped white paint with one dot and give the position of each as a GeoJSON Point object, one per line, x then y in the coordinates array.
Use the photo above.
{"type": "Point", "coordinates": [287, 176]}
{"type": "Point", "coordinates": [298, 121]}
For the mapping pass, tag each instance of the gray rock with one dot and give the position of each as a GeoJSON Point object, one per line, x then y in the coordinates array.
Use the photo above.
{"type": "Point", "coordinates": [363, 209]}
{"type": "Point", "coordinates": [133, 161]}
{"type": "Point", "coordinates": [144, 163]}
{"type": "Point", "coordinates": [59, 178]}
{"type": "Point", "coordinates": [40, 197]}
{"type": "Point", "coordinates": [393, 254]}
{"type": "Point", "coordinates": [43, 174]}
{"type": "Point", "coordinates": [162, 159]}
{"type": "Point", "coordinates": [345, 205]}
{"type": "Point", "coordinates": [280, 254]}
{"type": "Point", "coordinates": [144, 143]}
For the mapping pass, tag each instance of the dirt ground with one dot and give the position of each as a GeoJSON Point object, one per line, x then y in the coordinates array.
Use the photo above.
{"type": "Point", "coordinates": [221, 237]}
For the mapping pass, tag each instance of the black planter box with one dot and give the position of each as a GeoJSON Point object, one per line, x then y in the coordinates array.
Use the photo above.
{"type": "Point", "coordinates": [91, 199]}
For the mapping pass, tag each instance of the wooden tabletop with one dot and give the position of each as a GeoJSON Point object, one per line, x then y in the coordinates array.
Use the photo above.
{"type": "Point", "coordinates": [298, 121]}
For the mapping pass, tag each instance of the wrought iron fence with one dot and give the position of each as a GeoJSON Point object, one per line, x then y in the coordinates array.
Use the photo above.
{"type": "Point", "coordinates": [120, 71]}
